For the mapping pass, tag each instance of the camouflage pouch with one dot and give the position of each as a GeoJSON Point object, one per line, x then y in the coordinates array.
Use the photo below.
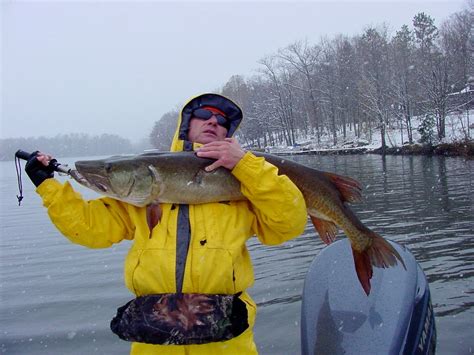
{"type": "Point", "coordinates": [181, 319]}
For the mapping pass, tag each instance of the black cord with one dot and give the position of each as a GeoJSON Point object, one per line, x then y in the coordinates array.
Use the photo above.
{"type": "Point", "coordinates": [18, 176]}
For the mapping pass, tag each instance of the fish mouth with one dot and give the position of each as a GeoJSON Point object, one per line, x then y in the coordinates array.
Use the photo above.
{"type": "Point", "coordinates": [93, 174]}
{"type": "Point", "coordinates": [95, 181]}
{"type": "Point", "coordinates": [98, 175]}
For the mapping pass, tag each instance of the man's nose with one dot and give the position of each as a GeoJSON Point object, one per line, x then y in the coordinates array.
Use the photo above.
{"type": "Point", "coordinates": [213, 120]}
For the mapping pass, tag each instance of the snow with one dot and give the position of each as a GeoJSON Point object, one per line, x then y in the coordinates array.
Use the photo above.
{"type": "Point", "coordinates": [456, 131]}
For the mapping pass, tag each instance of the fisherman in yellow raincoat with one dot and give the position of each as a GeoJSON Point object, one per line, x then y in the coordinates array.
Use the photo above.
{"type": "Point", "coordinates": [188, 249]}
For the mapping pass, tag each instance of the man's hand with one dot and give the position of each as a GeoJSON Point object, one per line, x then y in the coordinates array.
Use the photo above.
{"type": "Point", "coordinates": [227, 152]}
{"type": "Point", "coordinates": [38, 168]}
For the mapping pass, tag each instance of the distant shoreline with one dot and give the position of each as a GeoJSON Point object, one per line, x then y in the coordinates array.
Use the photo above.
{"type": "Point", "coordinates": [444, 149]}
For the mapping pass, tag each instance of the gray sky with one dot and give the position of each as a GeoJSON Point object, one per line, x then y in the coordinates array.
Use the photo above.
{"type": "Point", "coordinates": [116, 67]}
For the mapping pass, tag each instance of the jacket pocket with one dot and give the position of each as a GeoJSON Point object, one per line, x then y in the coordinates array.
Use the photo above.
{"type": "Point", "coordinates": [212, 271]}
{"type": "Point", "coordinates": [131, 264]}
{"type": "Point", "coordinates": [155, 272]}
{"type": "Point", "coordinates": [243, 269]}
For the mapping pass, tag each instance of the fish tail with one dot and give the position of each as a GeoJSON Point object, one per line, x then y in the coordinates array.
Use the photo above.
{"type": "Point", "coordinates": [379, 254]}
{"type": "Point", "coordinates": [363, 269]}
{"type": "Point", "coordinates": [382, 253]}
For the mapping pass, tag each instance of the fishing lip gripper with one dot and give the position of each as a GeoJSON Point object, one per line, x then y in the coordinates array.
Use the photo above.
{"type": "Point", "coordinates": [58, 167]}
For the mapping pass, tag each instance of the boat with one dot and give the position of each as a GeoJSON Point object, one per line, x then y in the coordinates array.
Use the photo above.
{"type": "Point", "coordinates": [337, 317]}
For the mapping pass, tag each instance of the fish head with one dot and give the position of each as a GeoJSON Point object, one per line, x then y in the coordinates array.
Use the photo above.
{"type": "Point", "coordinates": [120, 178]}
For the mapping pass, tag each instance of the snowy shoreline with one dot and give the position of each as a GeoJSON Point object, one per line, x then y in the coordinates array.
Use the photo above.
{"type": "Point", "coordinates": [458, 141]}
{"type": "Point", "coordinates": [446, 149]}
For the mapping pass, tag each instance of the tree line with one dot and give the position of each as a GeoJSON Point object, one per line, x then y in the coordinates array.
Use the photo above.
{"type": "Point", "coordinates": [364, 83]}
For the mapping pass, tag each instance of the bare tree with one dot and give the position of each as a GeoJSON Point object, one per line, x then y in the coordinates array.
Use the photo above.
{"type": "Point", "coordinates": [329, 86]}
{"type": "Point", "coordinates": [304, 59]}
{"type": "Point", "coordinates": [457, 45]}
{"type": "Point", "coordinates": [456, 34]}
{"type": "Point", "coordinates": [403, 80]}
{"type": "Point", "coordinates": [373, 47]}
{"type": "Point", "coordinates": [432, 71]}
{"type": "Point", "coordinates": [347, 77]}
{"type": "Point", "coordinates": [281, 94]}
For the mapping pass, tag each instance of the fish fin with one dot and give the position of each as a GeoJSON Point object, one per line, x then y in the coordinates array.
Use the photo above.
{"type": "Point", "coordinates": [382, 254]}
{"type": "Point", "coordinates": [363, 269]}
{"type": "Point", "coordinates": [350, 189]}
{"type": "Point", "coordinates": [327, 230]}
{"type": "Point", "coordinates": [153, 215]}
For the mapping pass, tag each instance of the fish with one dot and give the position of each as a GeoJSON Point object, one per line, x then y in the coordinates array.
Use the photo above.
{"type": "Point", "coordinates": [180, 177]}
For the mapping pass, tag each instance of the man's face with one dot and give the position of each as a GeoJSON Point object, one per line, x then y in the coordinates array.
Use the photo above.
{"type": "Point", "coordinates": [206, 130]}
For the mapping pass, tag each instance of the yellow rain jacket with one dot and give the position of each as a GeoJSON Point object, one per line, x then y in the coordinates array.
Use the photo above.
{"type": "Point", "coordinates": [217, 262]}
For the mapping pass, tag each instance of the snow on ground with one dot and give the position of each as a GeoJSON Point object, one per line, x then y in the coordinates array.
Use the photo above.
{"type": "Point", "coordinates": [456, 131]}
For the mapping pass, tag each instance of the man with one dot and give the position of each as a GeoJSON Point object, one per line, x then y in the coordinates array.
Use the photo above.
{"type": "Point", "coordinates": [188, 249]}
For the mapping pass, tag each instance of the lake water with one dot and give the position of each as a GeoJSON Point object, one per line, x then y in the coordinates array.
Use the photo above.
{"type": "Point", "coordinates": [58, 298]}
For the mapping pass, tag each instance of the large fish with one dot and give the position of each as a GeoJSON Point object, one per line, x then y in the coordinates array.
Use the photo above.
{"type": "Point", "coordinates": [154, 178]}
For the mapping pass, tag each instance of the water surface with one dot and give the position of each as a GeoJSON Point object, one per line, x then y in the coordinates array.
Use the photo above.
{"type": "Point", "coordinates": [57, 297]}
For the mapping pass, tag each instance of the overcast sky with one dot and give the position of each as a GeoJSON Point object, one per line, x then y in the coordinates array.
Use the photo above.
{"type": "Point", "coordinates": [116, 67]}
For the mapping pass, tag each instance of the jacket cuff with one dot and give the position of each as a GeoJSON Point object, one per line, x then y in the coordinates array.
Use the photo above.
{"type": "Point", "coordinates": [248, 167]}
{"type": "Point", "coordinates": [48, 188]}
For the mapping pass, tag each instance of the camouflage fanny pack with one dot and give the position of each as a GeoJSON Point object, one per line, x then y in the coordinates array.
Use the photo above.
{"type": "Point", "coordinates": [181, 319]}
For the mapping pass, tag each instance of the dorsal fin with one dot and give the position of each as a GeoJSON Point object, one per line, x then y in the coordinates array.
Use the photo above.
{"type": "Point", "coordinates": [350, 189]}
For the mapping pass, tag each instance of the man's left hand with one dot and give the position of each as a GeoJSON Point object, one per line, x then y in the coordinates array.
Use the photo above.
{"type": "Point", "coordinates": [227, 153]}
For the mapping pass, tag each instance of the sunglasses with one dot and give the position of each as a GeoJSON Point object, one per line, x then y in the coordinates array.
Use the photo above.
{"type": "Point", "coordinates": [204, 114]}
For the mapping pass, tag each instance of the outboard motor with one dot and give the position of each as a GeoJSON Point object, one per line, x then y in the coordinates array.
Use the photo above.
{"type": "Point", "coordinates": [337, 317]}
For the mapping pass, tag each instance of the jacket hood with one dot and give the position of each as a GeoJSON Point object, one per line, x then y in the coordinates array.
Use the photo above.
{"type": "Point", "coordinates": [230, 108]}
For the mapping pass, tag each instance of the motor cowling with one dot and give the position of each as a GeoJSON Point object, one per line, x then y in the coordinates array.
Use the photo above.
{"type": "Point", "coordinates": [337, 317]}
